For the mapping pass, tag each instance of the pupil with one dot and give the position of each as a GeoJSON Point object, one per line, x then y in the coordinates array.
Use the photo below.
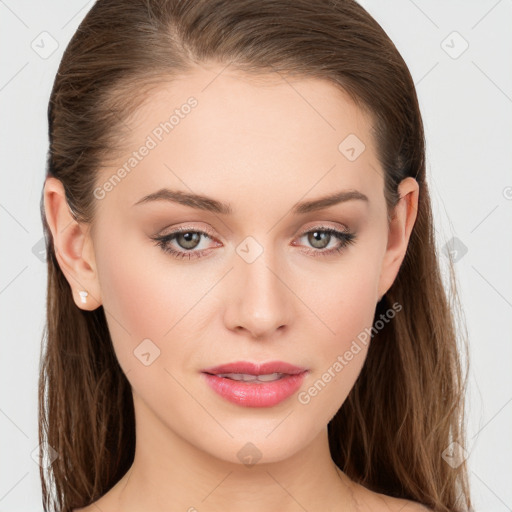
{"type": "Point", "coordinates": [190, 239]}
{"type": "Point", "coordinates": [316, 239]}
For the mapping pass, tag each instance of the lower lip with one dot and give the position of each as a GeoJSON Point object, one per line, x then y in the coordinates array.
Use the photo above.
{"type": "Point", "coordinates": [250, 394]}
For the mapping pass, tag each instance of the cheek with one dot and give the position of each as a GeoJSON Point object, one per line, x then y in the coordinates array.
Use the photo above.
{"type": "Point", "coordinates": [347, 310]}
{"type": "Point", "coordinates": [147, 296]}
{"type": "Point", "coordinates": [345, 306]}
{"type": "Point", "coordinates": [131, 289]}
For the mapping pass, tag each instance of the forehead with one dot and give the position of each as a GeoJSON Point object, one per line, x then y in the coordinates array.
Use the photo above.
{"type": "Point", "coordinates": [215, 130]}
{"type": "Point", "coordinates": [244, 105]}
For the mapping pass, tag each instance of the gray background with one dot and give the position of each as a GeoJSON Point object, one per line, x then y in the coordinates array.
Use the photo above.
{"type": "Point", "coordinates": [466, 100]}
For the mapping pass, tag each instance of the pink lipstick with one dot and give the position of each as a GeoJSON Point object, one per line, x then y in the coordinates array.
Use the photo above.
{"type": "Point", "coordinates": [255, 385]}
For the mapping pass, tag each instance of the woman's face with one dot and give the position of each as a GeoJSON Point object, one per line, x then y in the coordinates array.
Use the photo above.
{"type": "Point", "coordinates": [255, 276]}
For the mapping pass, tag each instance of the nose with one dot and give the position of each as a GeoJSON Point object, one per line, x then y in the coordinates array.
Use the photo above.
{"type": "Point", "coordinates": [259, 300]}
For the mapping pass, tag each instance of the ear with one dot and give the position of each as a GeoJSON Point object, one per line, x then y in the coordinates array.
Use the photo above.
{"type": "Point", "coordinates": [73, 246]}
{"type": "Point", "coordinates": [400, 227]}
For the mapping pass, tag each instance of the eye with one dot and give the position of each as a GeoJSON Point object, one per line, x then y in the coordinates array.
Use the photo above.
{"type": "Point", "coordinates": [188, 240]}
{"type": "Point", "coordinates": [321, 236]}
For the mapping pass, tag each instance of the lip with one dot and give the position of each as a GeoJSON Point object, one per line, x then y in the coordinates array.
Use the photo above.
{"type": "Point", "coordinates": [255, 368]}
{"type": "Point", "coordinates": [253, 394]}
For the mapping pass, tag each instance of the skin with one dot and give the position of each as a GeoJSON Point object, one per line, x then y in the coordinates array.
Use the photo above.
{"type": "Point", "coordinates": [261, 146]}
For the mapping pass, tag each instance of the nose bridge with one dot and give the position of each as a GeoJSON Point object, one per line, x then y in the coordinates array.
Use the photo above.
{"type": "Point", "coordinates": [260, 301]}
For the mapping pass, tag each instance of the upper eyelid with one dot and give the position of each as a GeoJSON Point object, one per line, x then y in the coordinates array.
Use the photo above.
{"type": "Point", "coordinates": [210, 233]}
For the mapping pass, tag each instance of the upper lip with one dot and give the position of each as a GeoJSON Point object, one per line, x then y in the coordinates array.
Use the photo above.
{"type": "Point", "coordinates": [255, 368]}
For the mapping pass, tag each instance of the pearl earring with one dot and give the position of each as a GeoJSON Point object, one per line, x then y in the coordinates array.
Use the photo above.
{"type": "Point", "coordinates": [83, 296]}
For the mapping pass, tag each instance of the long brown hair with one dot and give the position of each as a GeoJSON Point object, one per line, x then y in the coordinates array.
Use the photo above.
{"type": "Point", "coordinates": [407, 405]}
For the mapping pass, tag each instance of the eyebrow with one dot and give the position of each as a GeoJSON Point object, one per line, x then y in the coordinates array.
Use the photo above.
{"type": "Point", "coordinates": [209, 204]}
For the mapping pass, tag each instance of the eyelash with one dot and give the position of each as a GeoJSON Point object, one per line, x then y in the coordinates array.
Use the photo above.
{"type": "Point", "coordinates": [346, 238]}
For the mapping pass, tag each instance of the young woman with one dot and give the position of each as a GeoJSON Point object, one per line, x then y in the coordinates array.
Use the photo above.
{"type": "Point", "coordinates": [245, 306]}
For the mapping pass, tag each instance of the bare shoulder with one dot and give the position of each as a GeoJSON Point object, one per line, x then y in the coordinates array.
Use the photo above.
{"type": "Point", "coordinates": [93, 507]}
{"type": "Point", "coordinates": [400, 505]}
{"type": "Point", "coordinates": [100, 505]}
{"type": "Point", "coordinates": [108, 502]}
{"type": "Point", "coordinates": [377, 502]}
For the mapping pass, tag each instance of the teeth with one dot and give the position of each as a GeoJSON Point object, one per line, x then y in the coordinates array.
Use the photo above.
{"type": "Point", "coordinates": [245, 377]}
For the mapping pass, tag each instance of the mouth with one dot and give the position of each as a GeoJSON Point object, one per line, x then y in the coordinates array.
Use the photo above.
{"type": "Point", "coordinates": [247, 377]}
{"type": "Point", "coordinates": [255, 385]}
{"type": "Point", "coordinates": [255, 369]}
